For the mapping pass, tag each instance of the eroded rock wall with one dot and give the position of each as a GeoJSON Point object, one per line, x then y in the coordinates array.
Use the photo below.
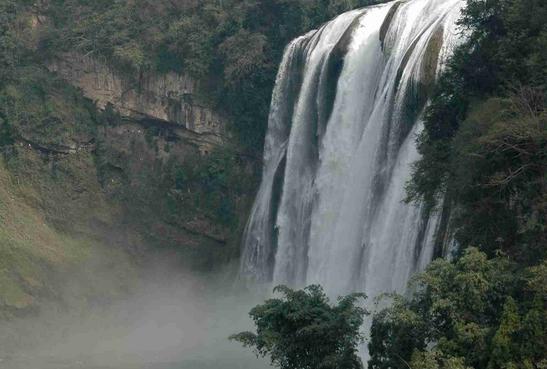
{"type": "Point", "coordinates": [172, 99]}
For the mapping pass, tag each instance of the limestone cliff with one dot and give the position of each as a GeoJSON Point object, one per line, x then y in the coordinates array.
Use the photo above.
{"type": "Point", "coordinates": [102, 169]}
{"type": "Point", "coordinates": [171, 99]}
{"type": "Point", "coordinates": [152, 170]}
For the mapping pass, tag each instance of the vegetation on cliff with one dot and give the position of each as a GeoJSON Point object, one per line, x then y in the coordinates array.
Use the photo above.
{"type": "Point", "coordinates": [484, 146]}
{"type": "Point", "coordinates": [485, 156]}
{"type": "Point", "coordinates": [234, 46]}
{"type": "Point", "coordinates": [86, 175]}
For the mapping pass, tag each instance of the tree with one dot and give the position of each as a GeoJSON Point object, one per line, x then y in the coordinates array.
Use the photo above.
{"type": "Point", "coordinates": [191, 41]}
{"type": "Point", "coordinates": [6, 132]}
{"type": "Point", "coordinates": [302, 330]}
{"type": "Point", "coordinates": [499, 161]}
{"type": "Point", "coordinates": [9, 48]}
{"type": "Point", "coordinates": [484, 143]}
{"type": "Point", "coordinates": [474, 312]}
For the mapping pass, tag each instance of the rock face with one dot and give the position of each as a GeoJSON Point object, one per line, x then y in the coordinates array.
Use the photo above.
{"type": "Point", "coordinates": [163, 121]}
{"type": "Point", "coordinates": [171, 98]}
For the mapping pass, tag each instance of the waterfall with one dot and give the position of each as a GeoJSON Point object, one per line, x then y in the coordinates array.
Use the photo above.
{"type": "Point", "coordinates": [345, 112]}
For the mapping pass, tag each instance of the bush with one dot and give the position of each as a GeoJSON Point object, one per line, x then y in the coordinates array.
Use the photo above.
{"type": "Point", "coordinates": [472, 313]}
{"type": "Point", "coordinates": [483, 147]}
{"type": "Point", "coordinates": [302, 330]}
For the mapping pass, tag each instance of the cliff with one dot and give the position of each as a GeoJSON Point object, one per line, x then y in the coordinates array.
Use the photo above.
{"type": "Point", "coordinates": [106, 169]}
{"type": "Point", "coordinates": [171, 99]}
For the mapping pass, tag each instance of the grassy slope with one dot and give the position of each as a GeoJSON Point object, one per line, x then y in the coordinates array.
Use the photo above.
{"type": "Point", "coordinates": [96, 195]}
{"type": "Point", "coordinates": [39, 263]}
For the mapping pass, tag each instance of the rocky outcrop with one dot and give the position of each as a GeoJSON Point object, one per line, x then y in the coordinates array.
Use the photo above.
{"type": "Point", "coordinates": [163, 121]}
{"type": "Point", "coordinates": [170, 99]}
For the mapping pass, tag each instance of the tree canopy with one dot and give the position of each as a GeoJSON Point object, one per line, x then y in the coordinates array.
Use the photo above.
{"type": "Point", "coordinates": [484, 144]}
{"type": "Point", "coordinates": [475, 312]}
{"type": "Point", "coordinates": [302, 330]}
{"type": "Point", "coordinates": [233, 46]}
{"type": "Point", "coordinates": [484, 161]}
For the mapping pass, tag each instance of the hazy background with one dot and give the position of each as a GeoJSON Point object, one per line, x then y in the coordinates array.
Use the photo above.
{"type": "Point", "coordinates": [170, 320]}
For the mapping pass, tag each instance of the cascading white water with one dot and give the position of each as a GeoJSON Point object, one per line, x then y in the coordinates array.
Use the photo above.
{"type": "Point", "coordinates": [341, 140]}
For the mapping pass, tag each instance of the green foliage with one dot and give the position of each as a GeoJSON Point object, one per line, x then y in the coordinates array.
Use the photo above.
{"type": "Point", "coordinates": [6, 132]}
{"type": "Point", "coordinates": [435, 360]}
{"type": "Point", "coordinates": [8, 42]}
{"type": "Point", "coordinates": [483, 147]}
{"type": "Point", "coordinates": [40, 110]}
{"type": "Point", "coordinates": [211, 184]}
{"type": "Point", "coordinates": [109, 29]}
{"type": "Point", "coordinates": [36, 107]}
{"type": "Point", "coordinates": [302, 330]}
{"type": "Point", "coordinates": [39, 259]}
{"type": "Point", "coordinates": [191, 42]}
{"type": "Point", "coordinates": [505, 50]}
{"type": "Point", "coordinates": [232, 46]}
{"type": "Point", "coordinates": [499, 161]}
{"type": "Point", "coordinates": [467, 313]}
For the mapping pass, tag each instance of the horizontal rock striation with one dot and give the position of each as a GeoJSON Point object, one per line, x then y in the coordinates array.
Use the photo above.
{"type": "Point", "coordinates": [150, 97]}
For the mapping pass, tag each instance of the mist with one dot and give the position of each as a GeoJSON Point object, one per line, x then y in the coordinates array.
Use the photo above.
{"type": "Point", "coordinates": [171, 319]}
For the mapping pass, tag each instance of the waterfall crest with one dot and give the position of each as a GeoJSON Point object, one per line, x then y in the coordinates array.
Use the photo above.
{"type": "Point", "coordinates": [345, 113]}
